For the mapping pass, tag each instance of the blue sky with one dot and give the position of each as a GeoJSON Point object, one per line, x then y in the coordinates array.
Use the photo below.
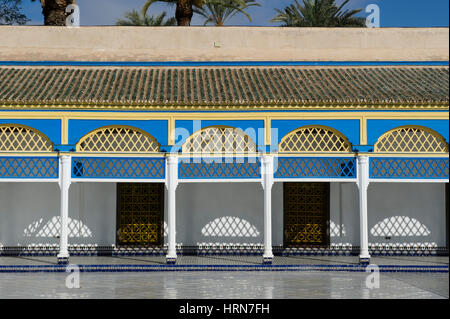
{"type": "Point", "coordinates": [393, 13]}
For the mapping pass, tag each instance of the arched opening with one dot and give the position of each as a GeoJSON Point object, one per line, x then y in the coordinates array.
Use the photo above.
{"type": "Point", "coordinates": [118, 139]}
{"type": "Point", "coordinates": [411, 139]}
{"type": "Point", "coordinates": [21, 138]}
{"type": "Point", "coordinates": [314, 139]}
{"type": "Point", "coordinates": [219, 139]}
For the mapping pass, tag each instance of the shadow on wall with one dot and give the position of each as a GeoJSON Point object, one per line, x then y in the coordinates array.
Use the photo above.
{"type": "Point", "coordinates": [336, 230]}
{"type": "Point", "coordinates": [399, 226]}
{"type": "Point", "coordinates": [51, 229]}
{"type": "Point", "coordinates": [226, 226]}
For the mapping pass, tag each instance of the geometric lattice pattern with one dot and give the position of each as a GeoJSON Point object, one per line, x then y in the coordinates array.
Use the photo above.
{"type": "Point", "coordinates": [315, 139]}
{"type": "Point", "coordinates": [140, 213]}
{"type": "Point", "coordinates": [214, 140]}
{"type": "Point", "coordinates": [110, 167]}
{"type": "Point", "coordinates": [306, 213]}
{"type": "Point", "coordinates": [399, 226]}
{"type": "Point", "coordinates": [317, 167]}
{"type": "Point", "coordinates": [52, 228]}
{"type": "Point", "coordinates": [411, 140]}
{"type": "Point", "coordinates": [29, 167]}
{"type": "Point", "coordinates": [18, 138]}
{"type": "Point", "coordinates": [118, 139]}
{"type": "Point", "coordinates": [429, 168]}
{"type": "Point", "coordinates": [229, 226]}
{"type": "Point", "coordinates": [221, 168]}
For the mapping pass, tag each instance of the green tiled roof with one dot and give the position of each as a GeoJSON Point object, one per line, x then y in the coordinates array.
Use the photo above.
{"type": "Point", "coordinates": [224, 87]}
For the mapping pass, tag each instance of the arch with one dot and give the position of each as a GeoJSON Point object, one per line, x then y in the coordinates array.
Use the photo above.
{"type": "Point", "coordinates": [21, 138]}
{"type": "Point", "coordinates": [118, 139]}
{"type": "Point", "coordinates": [315, 138]}
{"type": "Point", "coordinates": [411, 139]}
{"type": "Point", "coordinates": [219, 139]}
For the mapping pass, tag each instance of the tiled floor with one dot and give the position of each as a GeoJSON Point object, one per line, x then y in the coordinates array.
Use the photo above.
{"type": "Point", "coordinates": [229, 260]}
{"type": "Point", "coordinates": [217, 285]}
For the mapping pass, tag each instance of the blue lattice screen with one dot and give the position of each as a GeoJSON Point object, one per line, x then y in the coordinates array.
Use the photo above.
{"type": "Point", "coordinates": [117, 167]}
{"type": "Point", "coordinates": [29, 167]}
{"type": "Point", "coordinates": [315, 167]}
{"type": "Point", "coordinates": [422, 168]}
{"type": "Point", "coordinates": [219, 168]}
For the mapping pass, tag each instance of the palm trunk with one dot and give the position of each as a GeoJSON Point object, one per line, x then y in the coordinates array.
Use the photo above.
{"type": "Point", "coordinates": [54, 11]}
{"type": "Point", "coordinates": [184, 12]}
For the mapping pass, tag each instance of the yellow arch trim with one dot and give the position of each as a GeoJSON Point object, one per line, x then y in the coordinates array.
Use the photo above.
{"type": "Point", "coordinates": [323, 127]}
{"type": "Point", "coordinates": [419, 127]}
{"type": "Point", "coordinates": [104, 128]}
{"type": "Point", "coordinates": [32, 130]}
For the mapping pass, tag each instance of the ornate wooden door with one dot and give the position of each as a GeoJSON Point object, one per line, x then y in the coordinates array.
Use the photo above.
{"type": "Point", "coordinates": [140, 213]}
{"type": "Point", "coordinates": [306, 214]}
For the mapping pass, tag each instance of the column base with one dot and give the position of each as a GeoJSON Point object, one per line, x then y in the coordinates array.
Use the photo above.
{"type": "Point", "coordinates": [63, 260]}
{"type": "Point", "coordinates": [171, 260]}
{"type": "Point", "coordinates": [364, 261]}
{"type": "Point", "coordinates": [267, 260]}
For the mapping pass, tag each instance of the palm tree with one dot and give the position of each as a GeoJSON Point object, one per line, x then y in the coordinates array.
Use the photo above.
{"type": "Point", "coordinates": [185, 8]}
{"type": "Point", "coordinates": [318, 13]}
{"type": "Point", "coordinates": [10, 13]}
{"type": "Point", "coordinates": [184, 11]}
{"type": "Point", "coordinates": [219, 13]}
{"type": "Point", "coordinates": [134, 18]}
{"type": "Point", "coordinates": [54, 11]}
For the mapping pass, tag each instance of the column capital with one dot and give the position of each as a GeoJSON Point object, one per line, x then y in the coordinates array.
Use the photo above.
{"type": "Point", "coordinates": [64, 157]}
{"type": "Point", "coordinates": [172, 172]}
{"type": "Point", "coordinates": [363, 159]}
{"type": "Point", "coordinates": [172, 160]}
{"type": "Point", "coordinates": [64, 171]}
{"type": "Point", "coordinates": [266, 159]}
{"type": "Point", "coordinates": [267, 171]}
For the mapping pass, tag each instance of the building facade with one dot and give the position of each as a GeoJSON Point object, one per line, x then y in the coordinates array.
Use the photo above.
{"type": "Point", "coordinates": [211, 157]}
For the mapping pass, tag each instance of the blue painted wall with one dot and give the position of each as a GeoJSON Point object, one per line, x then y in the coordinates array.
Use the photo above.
{"type": "Point", "coordinates": [51, 128]}
{"type": "Point", "coordinates": [376, 128]}
{"type": "Point", "coordinates": [157, 128]}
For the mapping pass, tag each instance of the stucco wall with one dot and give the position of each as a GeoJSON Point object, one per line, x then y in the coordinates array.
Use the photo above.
{"type": "Point", "coordinates": [222, 44]}
{"type": "Point", "coordinates": [28, 213]}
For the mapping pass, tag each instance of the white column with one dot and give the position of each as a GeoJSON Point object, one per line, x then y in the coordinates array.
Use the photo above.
{"type": "Point", "coordinates": [64, 185]}
{"type": "Point", "coordinates": [363, 184]}
{"type": "Point", "coordinates": [267, 183]}
{"type": "Point", "coordinates": [171, 185]}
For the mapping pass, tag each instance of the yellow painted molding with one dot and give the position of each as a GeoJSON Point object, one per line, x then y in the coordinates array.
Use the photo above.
{"type": "Point", "coordinates": [171, 131]}
{"type": "Point", "coordinates": [73, 115]}
{"type": "Point", "coordinates": [363, 130]}
{"type": "Point", "coordinates": [267, 106]}
{"type": "Point", "coordinates": [64, 131]}
{"type": "Point", "coordinates": [267, 131]}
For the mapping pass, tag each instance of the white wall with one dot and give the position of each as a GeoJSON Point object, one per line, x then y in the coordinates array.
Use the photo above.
{"type": "Point", "coordinates": [32, 43]}
{"type": "Point", "coordinates": [29, 212]}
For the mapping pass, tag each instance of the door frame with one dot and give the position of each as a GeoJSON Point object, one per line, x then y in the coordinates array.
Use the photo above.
{"type": "Point", "coordinates": [326, 244]}
{"type": "Point", "coordinates": [160, 243]}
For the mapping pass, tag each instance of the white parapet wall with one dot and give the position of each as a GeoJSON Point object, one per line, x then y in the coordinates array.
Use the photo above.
{"type": "Point", "coordinates": [39, 43]}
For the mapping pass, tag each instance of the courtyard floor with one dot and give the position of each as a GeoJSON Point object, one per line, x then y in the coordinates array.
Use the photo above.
{"type": "Point", "coordinates": [402, 277]}
{"type": "Point", "coordinates": [228, 285]}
